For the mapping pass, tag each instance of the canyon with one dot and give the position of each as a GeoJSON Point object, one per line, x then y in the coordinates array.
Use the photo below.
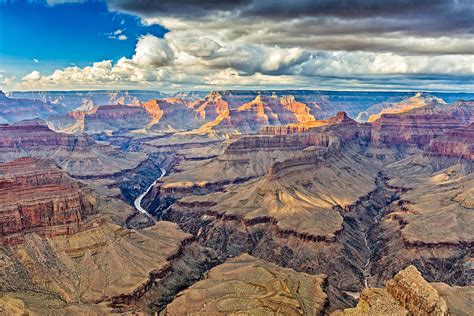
{"type": "Point", "coordinates": [270, 202]}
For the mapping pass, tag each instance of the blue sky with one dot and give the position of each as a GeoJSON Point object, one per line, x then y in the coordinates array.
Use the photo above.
{"type": "Point", "coordinates": [61, 35]}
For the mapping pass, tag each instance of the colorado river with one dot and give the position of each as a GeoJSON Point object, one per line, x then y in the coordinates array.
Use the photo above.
{"type": "Point", "coordinates": [138, 200]}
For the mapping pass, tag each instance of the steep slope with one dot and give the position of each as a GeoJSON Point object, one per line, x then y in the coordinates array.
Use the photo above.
{"type": "Point", "coordinates": [110, 118]}
{"type": "Point", "coordinates": [431, 225]}
{"type": "Point", "coordinates": [172, 114]}
{"type": "Point", "coordinates": [455, 143]}
{"type": "Point", "coordinates": [62, 254]}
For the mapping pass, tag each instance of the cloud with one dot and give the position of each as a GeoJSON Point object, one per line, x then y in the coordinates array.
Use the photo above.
{"type": "Point", "coordinates": [183, 60]}
{"type": "Point", "coordinates": [170, 7]}
{"type": "Point", "coordinates": [32, 76]}
{"type": "Point", "coordinates": [427, 15]}
{"type": "Point", "coordinates": [117, 34]}
{"type": "Point", "coordinates": [152, 51]}
{"type": "Point", "coordinates": [60, 2]}
{"type": "Point", "coordinates": [421, 27]}
{"type": "Point", "coordinates": [306, 44]}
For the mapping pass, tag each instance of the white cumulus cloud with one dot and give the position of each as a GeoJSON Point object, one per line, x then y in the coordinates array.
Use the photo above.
{"type": "Point", "coordinates": [152, 51]}
{"type": "Point", "coordinates": [32, 76]}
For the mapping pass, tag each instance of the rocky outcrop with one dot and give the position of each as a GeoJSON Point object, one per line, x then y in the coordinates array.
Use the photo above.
{"type": "Point", "coordinates": [415, 294]}
{"type": "Point", "coordinates": [249, 117]}
{"type": "Point", "coordinates": [81, 270]}
{"type": "Point", "coordinates": [374, 301]}
{"type": "Point", "coordinates": [417, 101]}
{"type": "Point", "coordinates": [35, 195]}
{"type": "Point", "coordinates": [408, 293]}
{"type": "Point", "coordinates": [172, 114]}
{"type": "Point", "coordinates": [116, 117]}
{"type": "Point", "coordinates": [35, 133]}
{"type": "Point", "coordinates": [211, 107]}
{"type": "Point", "coordinates": [339, 118]}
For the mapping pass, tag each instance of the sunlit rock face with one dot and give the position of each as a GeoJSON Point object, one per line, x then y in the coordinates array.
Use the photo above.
{"type": "Point", "coordinates": [417, 101]}
{"type": "Point", "coordinates": [408, 293]}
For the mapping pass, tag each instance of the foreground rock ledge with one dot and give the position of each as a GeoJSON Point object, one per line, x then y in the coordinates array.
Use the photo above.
{"type": "Point", "coordinates": [408, 293]}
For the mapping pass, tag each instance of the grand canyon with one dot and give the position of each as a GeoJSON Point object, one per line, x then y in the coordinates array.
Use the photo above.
{"type": "Point", "coordinates": [237, 157]}
{"type": "Point", "coordinates": [231, 202]}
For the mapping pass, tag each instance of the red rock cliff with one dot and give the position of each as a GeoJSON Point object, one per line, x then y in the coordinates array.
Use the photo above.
{"type": "Point", "coordinates": [36, 195]}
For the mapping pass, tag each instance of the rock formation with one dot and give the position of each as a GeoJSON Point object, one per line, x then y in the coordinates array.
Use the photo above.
{"type": "Point", "coordinates": [415, 294]}
{"type": "Point", "coordinates": [14, 110]}
{"type": "Point", "coordinates": [88, 270]}
{"type": "Point", "coordinates": [37, 196]}
{"type": "Point", "coordinates": [419, 126]}
{"type": "Point", "coordinates": [408, 293]}
{"type": "Point", "coordinates": [248, 285]}
{"type": "Point", "coordinates": [417, 101]}
{"type": "Point", "coordinates": [455, 143]}
{"type": "Point", "coordinates": [116, 117]}
{"type": "Point", "coordinates": [60, 251]}
{"type": "Point", "coordinates": [78, 154]}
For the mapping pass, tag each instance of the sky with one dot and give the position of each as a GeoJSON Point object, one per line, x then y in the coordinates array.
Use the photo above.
{"type": "Point", "coordinates": [177, 45]}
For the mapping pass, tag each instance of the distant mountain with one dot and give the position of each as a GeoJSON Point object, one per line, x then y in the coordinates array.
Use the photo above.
{"type": "Point", "coordinates": [218, 112]}
{"type": "Point", "coordinates": [13, 110]}
{"type": "Point", "coordinates": [74, 99]}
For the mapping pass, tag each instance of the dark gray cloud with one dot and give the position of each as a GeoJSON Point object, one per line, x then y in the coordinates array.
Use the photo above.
{"type": "Point", "coordinates": [418, 16]}
{"type": "Point", "coordinates": [175, 8]}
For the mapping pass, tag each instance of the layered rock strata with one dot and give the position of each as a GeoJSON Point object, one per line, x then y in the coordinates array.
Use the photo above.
{"type": "Point", "coordinates": [455, 143]}
{"type": "Point", "coordinates": [37, 196]}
